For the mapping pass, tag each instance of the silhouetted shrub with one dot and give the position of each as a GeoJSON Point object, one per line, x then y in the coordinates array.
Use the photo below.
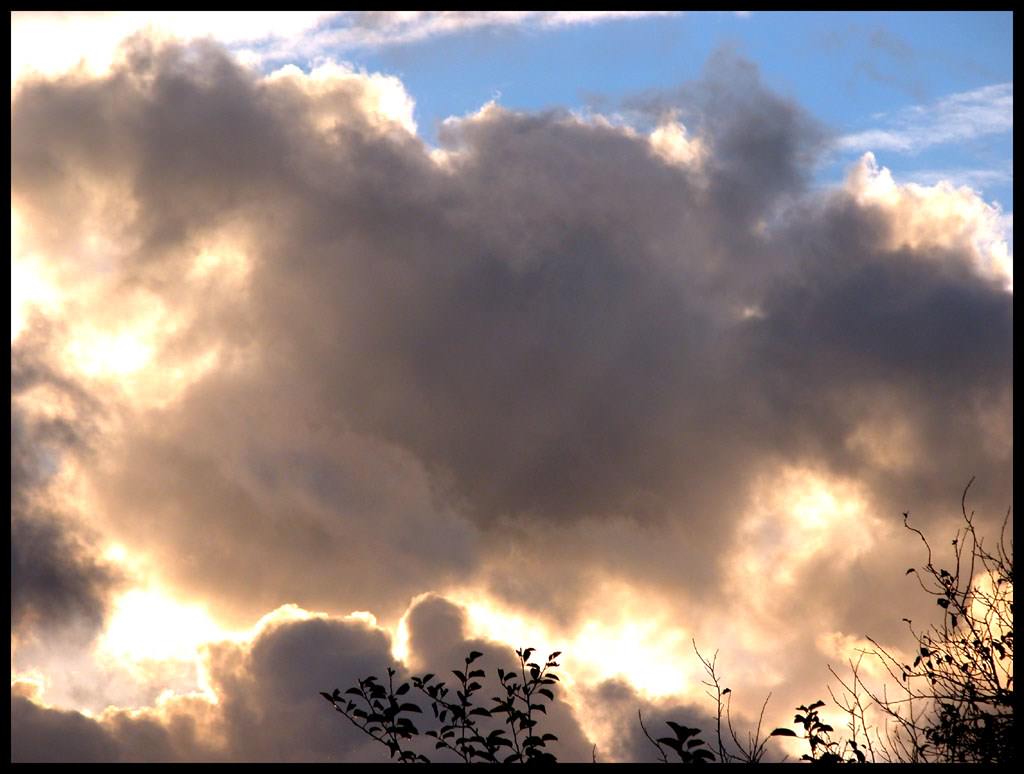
{"type": "Point", "coordinates": [378, 712]}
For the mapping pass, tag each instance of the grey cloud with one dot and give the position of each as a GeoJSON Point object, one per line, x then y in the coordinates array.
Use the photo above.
{"type": "Point", "coordinates": [57, 581]}
{"type": "Point", "coordinates": [616, 705]}
{"type": "Point", "coordinates": [539, 348]}
{"type": "Point", "coordinates": [439, 644]}
{"type": "Point", "coordinates": [40, 734]}
{"type": "Point", "coordinates": [270, 708]}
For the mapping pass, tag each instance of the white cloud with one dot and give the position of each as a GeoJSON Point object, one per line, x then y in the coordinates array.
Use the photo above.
{"type": "Point", "coordinates": [940, 215]}
{"type": "Point", "coordinates": [53, 42]}
{"type": "Point", "coordinates": [955, 118]}
{"type": "Point", "coordinates": [975, 178]}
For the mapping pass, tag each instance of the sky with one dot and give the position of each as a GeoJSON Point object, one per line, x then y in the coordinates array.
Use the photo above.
{"type": "Point", "coordinates": [342, 341]}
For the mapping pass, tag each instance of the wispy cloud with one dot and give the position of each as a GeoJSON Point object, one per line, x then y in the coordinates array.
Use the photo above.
{"type": "Point", "coordinates": [259, 37]}
{"type": "Point", "coordinates": [348, 31]}
{"type": "Point", "coordinates": [955, 118]}
{"type": "Point", "coordinates": [975, 178]}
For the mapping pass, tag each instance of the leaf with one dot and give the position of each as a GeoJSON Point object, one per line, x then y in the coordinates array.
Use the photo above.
{"type": "Point", "coordinates": [910, 571]}
{"type": "Point", "coordinates": [473, 656]}
{"type": "Point", "coordinates": [818, 703]}
{"type": "Point", "coordinates": [682, 732]}
{"type": "Point", "coordinates": [782, 732]}
{"type": "Point", "coordinates": [476, 673]}
{"type": "Point", "coordinates": [354, 692]}
{"type": "Point", "coordinates": [549, 738]}
{"type": "Point", "coordinates": [327, 696]}
{"type": "Point", "coordinates": [460, 675]}
{"type": "Point", "coordinates": [408, 707]}
{"type": "Point", "coordinates": [402, 689]}
{"type": "Point", "coordinates": [726, 690]}
{"type": "Point", "coordinates": [556, 654]}
{"type": "Point", "coordinates": [546, 692]}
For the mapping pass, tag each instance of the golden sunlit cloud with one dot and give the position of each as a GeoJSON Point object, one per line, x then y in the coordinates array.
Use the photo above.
{"type": "Point", "coordinates": [147, 624]}
{"type": "Point", "coordinates": [382, 98]}
{"type": "Point", "coordinates": [623, 634]}
{"type": "Point", "coordinates": [33, 288]}
{"type": "Point", "coordinates": [671, 141]}
{"type": "Point", "coordinates": [796, 513]}
{"type": "Point", "coordinates": [940, 215]}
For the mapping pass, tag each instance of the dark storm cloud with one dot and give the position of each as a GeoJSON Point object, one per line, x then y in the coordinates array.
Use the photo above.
{"type": "Point", "coordinates": [46, 735]}
{"type": "Point", "coordinates": [270, 708]}
{"type": "Point", "coordinates": [543, 341]}
{"type": "Point", "coordinates": [57, 581]}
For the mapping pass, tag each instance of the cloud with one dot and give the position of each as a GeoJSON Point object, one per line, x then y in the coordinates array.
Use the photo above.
{"type": "Point", "coordinates": [591, 384]}
{"type": "Point", "coordinates": [58, 583]}
{"type": "Point", "coordinates": [50, 42]}
{"type": "Point", "coordinates": [268, 704]}
{"type": "Point", "coordinates": [374, 29]}
{"type": "Point", "coordinates": [954, 118]}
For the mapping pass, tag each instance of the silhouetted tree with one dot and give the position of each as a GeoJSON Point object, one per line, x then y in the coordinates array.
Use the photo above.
{"type": "Point", "coordinates": [954, 703]}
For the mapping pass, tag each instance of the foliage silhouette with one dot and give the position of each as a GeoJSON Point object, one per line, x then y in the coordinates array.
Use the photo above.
{"type": "Point", "coordinates": [520, 696]}
{"type": "Point", "coordinates": [954, 703]}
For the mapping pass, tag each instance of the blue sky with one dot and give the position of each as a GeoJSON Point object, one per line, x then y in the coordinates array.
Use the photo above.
{"type": "Point", "coordinates": [855, 72]}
